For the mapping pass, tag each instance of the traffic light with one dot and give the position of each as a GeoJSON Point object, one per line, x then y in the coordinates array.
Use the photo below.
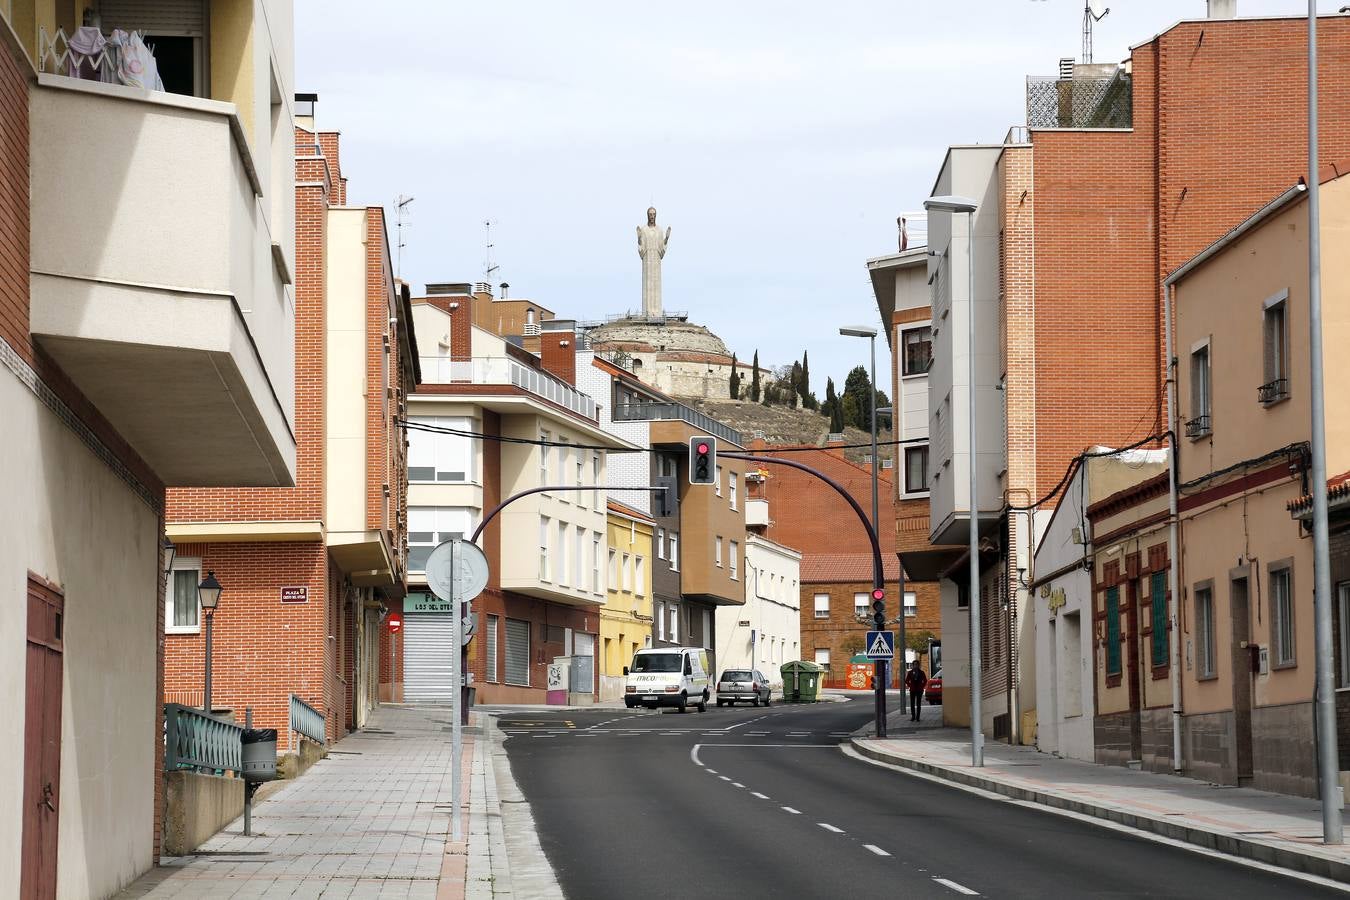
{"type": "Point", "coordinates": [703, 460]}
{"type": "Point", "coordinates": [879, 608]}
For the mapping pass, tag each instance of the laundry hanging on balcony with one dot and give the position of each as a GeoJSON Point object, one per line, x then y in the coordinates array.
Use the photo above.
{"type": "Point", "coordinates": [136, 66]}
{"type": "Point", "coordinates": [87, 56]}
{"type": "Point", "coordinates": [122, 58]}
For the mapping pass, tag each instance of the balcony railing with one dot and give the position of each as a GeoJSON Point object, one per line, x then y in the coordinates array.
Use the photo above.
{"type": "Point", "coordinates": [1105, 101]}
{"type": "Point", "coordinates": [1197, 427]}
{"type": "Point", "coordinates": [117, 58]}
{"type": "Point", "coordinates": [1273, 391]}
{"type": "Point", "coordinates": [666, 412]}
{"type": "Point", "coordinates": [194, 740]}
{"type": "Point", "coordinates": [500, 370]}
{"type": "Point", "coordinates": [306, 721]}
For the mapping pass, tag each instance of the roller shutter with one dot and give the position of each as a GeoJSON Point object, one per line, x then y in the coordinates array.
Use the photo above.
{"type": "Point", "coordinates": [179, 18]}
{"type": "Point", "coordinates": [517, 652]}
{"type": "Point", "coordinates": [428, 645]}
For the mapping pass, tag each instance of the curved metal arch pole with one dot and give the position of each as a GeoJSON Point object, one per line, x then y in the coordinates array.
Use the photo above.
{"type": "Point", "coordinates": [496, 510]}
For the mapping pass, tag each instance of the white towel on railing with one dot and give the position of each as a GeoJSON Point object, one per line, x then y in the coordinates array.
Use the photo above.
{"type": "Point", "coordinates": [136, 66]}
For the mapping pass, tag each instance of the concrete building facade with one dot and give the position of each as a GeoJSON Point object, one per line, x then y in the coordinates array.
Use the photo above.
{"type": "Point", "coordinates": [765, 632]}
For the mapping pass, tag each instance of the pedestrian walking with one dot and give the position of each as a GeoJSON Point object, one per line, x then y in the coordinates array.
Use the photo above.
{"type": "Point", "coordinates": [915, 681]}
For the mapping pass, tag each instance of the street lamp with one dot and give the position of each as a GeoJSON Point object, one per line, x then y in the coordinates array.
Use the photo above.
{"type": "Point", "coordinates": [208, 595]}
{"type": "Point", "coordinates": [166, 552]}
{"type": "Point", "coordinates": [951, 204]}
{"type": "Point", "coordinates": [871, 335]}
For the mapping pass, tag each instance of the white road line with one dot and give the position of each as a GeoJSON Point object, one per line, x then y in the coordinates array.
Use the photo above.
{"type": "Point", "coordinates": [725, 778]}
{"type": "Point", "coordinates": [737, 784]}
{"type": "Point", "coordinates": [693, 754]}
{"type": "Point", "coordinates": [757, 733]}
{"type": "Point", "coordinates": [875, 849]}
{"type": "Point", "coordinates": [959, 888]}
{"type": "Point", "coordinates": [742, 724]}
{"type": "Point", "coordinates": [795, 812]}
{"type": "Point", "coordinates": [539, 736]}
{"type": "Point", "coordinates": [759, 795]}
{"type": "Point", "coordinates": [712, 771]}
{"type": "Point", "coordinates": [828, 827]}
{"type": "Point", "coordinates": [798, 734]}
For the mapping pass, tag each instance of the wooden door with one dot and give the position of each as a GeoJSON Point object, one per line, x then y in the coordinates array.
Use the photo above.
{"type": "Point", "coordinates": [1134, 669]}
{"type": "Point", "coordinates": [41, 743]}
{"type": "Point", "coordinates": [1242, 680]}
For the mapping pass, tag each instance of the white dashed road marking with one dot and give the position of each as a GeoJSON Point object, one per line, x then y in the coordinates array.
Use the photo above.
{"type": "Point", "coordinates": [737, 784]}
{"type": "Point", "coordinates": [724, 778]}
{"type": "Point", "coordinates": [759, 795]}
{"type": "Point", "coordinates": [795, 812]}
{"type": "Point", "coordinates": [828, 827]}
{"type": "Point", "coordinates": [875, 849]}
{"type": "Point", "coordinates": [959, 888]}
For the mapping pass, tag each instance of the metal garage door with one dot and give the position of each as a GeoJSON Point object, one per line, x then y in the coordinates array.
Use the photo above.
{"type": "Point", "coordinates": [427, 648]}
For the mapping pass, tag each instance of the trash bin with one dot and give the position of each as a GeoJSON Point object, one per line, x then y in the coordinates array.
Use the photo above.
{"type": "Point", "coordinates": [801, 681]}
{"type": "Point", "coordinates": [260, 754]}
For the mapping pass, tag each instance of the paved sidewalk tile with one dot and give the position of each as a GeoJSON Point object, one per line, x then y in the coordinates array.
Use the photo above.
{"type": "Point", "coordinates": [1274, 828]}
{"type": "Point", "coordinates": [370, 821]}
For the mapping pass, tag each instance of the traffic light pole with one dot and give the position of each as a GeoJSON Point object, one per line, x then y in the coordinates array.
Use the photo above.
{"type": "Point", "coordinates": [878, 573]}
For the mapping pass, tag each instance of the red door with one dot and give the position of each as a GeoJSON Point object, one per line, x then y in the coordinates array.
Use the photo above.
{"type": "Point", "coordinates": [41, 743]}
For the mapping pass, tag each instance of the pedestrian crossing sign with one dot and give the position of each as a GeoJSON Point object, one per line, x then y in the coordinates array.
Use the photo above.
{"type": "Point", "coordinates": [881, 645]}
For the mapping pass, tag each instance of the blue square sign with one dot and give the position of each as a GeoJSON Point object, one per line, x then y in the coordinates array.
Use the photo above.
{"type": "Point", "coordinates": [881, 645]}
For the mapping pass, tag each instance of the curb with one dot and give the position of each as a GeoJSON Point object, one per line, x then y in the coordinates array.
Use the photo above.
{"type": "Point", "coordinates": [1220, 842]}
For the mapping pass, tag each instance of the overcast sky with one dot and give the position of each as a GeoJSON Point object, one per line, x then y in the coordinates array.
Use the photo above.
{"type": "Point", "coordinates": [780, 140]}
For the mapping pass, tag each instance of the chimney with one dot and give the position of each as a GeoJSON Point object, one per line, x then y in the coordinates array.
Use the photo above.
{"type": "Point", "coordinates": [505, 287]}
{"type": "Point", "coordinates": [1222, 9]}
{"type": "Point", "coordinates": [1066, 68]}
{"type": "Point", "coordinates": [558, 349]}
{"type": "Point", "coordinates": [304, 110]}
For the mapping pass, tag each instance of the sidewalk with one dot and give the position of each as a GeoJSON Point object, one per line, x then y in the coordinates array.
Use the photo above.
{"type": "Point", "coordinates": [1271, 828]}
{"type": "Point", "coordinates": [371, 820]}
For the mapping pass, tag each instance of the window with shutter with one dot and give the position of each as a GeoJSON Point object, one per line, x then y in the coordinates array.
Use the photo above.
{"type": "Point", "coordinates": [490, 640]}
{"type": "Point", "coordinates": [1157, 592]}
{"type": "Point", "coordinates": [517, 652]}
{"type": "Point", "coordinates": [1113, 631]}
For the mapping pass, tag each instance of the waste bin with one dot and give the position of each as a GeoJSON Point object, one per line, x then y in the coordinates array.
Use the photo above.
{"type": "Point", "coordinates": [801, 681]}
{"type": "Point", "coordinates": [260, 754]}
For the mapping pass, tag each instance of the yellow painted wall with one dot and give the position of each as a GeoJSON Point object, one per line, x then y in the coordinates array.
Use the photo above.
{"type": "Point", "coordinates": [622, 632]}
{"type": "Point", "coordinates": [232, 61]}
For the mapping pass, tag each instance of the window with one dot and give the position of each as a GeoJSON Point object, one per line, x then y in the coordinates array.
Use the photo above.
{"type": "Point", "coordinates": [660, 543]}
{"type": "Point", "coordinates": [429, 526]}
{"type": "Point", "coordinates": [1157, 595]}
{"type": "Point", "coordinates": [717, 551]}
{"type": "Point", "coordinates": [734, 557]}
{"type": "Point", "coordinates": [1113, 666]}
{"type": "Point", "coordinates": [436, 457]}
{"type": "Point", "coordinates": [639, 576]}
{"type": "Point", "coordinates": [595, 480]}
{"type": "Point", "coordinates": [560, 477]}
{"type": "Point", "coordinates": [544, 452]}
{"type": "Point", "coordinates": [918, 343]}
{"type": "Point", "coordinates": [717, 484]}
{"type": "Point", "coordinates": [182, 612]}
{"type": "Point", "coordinates": [561, 553]}
{"type": "Point", "coordinates": [911, 604]}
{"type": "Point", "coordinates": [1200, 424]}
{"type": "Point", "coordinates": [517, 652]}
{"type": "Point", "coordinates": [595, 564]}
{"type": "Point", "coordinates": [963, 594]}
{"type": "Point", "coordinates": [674, 552]}
{"type": "Point", "coordinates": [916, 469]}
{"type": "Point", "coordinates": [660, 618]}
{"type": "Point", "coordinates": [1343, 643]}
{"type": "Point", "coordinates": [822, 606]}
{"type": "Point", "coordinates": [1282, 615]}
{"type": "Point", "coordinates": [613, 569]}
{"type": "Point", "coordinates": [578, 559]}
{"type": "Point", "coordinates": [732, 479]}
{"type": "Point", "coordinates": [861, 603]}
{"type": "Point", "coordinates": [1204, 628]}
{"type": "Point", "coordinates": [627, 574]}
{"type": "Point", "coordinates": [674, 622]}
{"type": "Point", "coordinates": [823, 657]}
{"type": "Point", "coordinates": [543, 549]}
{"type": "Point", "coordinates": [581, 478]}
{"type": "Point", "coordinates": [490, 647]}
{"type": "Point", "coordinates": [1276, 345]}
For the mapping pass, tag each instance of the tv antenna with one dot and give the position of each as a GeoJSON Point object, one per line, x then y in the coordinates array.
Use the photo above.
{"type": "Point", "coordinates": [489, 267]}
{"type": "Point", "coordinates": [1093, 12]}
{"type": "Point", "coordinates": [400, 214]}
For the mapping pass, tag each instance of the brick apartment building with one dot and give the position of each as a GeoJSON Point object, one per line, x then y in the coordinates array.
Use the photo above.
{"type": "Point", "coordinates": [307, 571]}
{"type": "Point", "coordinates": [111, 390]}
{"type": "Point", "coordinates": [1122, 174]}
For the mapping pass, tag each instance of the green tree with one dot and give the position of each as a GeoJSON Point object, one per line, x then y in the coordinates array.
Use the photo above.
{"type": "Point", "coordinates": [830, 408]}
{"type": "Point", "coordinates": [754, 379]}
{"type": "Point", "coordinates": [859, 387]}
{"type": "Point", "coordinates": [735, 380]}
{"type": "Point", "coordinates": [848, 411]}
{"type": "Point", "coordinates": [804, 387]}
{"type": "Point", "coordinates": [794, 382]}
{"type": "Point", "coordinates": [853, 645]}
{"type": "Point", "coordinates": [918, 640]}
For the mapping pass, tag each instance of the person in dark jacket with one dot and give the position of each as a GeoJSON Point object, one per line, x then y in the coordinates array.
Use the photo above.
{"type": "Point", "coordinates": [915, 681]}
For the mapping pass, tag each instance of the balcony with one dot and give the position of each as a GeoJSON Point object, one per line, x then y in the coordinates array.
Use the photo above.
{"type": "Point", "coordinates": [1093, 97]}
{"type": "Point", "coordinates": [1273, 391]}
{"type": "Point", "coordinates": [1198, 427]}
{"type": "Point", "coordinates": [756, 512]}
{"type": "Point", "coordinates": [154, 285]}
{"type": "Point", "coordinates": [499, 370]}
{"type": "Point", "coordinates": [671, 412]}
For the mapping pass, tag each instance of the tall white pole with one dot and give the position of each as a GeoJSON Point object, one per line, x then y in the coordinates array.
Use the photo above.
{"type": "Point", "coordinates": [1328, 764]}
{"type": "Point", "coordinates": [456, 729]}
{"type": "Point", "coordinates": [976, 713]}
{"type": "Point", "coordinates": [1173, 531]}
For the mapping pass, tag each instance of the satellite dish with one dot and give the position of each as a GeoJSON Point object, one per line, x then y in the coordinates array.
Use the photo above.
{"type": "Point", "coordinates": [1096, 8]}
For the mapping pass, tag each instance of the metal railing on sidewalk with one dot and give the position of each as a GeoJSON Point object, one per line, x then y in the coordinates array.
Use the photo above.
{"type": "Point", "coordinates": [194, 740]}
{"type": "Point", "coordinates": [306, 721]}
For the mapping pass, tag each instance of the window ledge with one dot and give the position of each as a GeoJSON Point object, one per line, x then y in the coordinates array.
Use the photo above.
{"type": "Point", "coordinates": [182, 629]}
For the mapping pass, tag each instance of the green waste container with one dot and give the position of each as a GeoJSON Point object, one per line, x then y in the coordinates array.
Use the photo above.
{"type": "Point", "coordinates": [801, 681]}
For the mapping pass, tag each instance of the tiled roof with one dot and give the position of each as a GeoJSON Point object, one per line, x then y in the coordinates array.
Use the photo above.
{"type": "Point", "coordinates": [1338, 489]}
{"type": "Point", "coordinates": [846, 567]}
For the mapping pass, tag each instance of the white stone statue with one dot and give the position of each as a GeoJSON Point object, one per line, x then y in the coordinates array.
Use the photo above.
{"type": "Point", "coordinates": [652, 248]}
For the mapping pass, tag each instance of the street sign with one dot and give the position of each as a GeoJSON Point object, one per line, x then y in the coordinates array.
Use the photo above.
{"type": "Point", "coordinates": [395, 622]}
{"type": "Point", "coordinates": [467, 626]}
{"type": "Point", "coordinates": [457, 570]}
{"type": "Point", "coordinates": [881, 645]}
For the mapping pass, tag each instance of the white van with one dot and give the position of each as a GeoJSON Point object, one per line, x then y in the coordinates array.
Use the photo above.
{"type": "Point", "coordinates": [668, 676]}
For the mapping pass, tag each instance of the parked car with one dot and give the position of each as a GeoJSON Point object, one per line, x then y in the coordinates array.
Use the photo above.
{"type": "Point", "coordinates": [933, 691]}
{"type": "Point", "coordinates": [743, 684]}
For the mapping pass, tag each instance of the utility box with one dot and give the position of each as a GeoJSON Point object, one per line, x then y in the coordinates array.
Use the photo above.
{"type": "Point", "coordinates": [801, 681]}
{"type": "Point", "coordinates": [259, 754]}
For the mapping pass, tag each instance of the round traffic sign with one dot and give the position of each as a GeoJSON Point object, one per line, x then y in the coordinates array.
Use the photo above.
{"type": "Point", "coordinates": [457, 570]}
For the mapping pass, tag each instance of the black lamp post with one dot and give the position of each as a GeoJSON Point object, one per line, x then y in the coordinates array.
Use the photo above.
{"type": "Point", "coordinates": [167, 550]}
{"type": "Point", "coordinates": [208, 594]}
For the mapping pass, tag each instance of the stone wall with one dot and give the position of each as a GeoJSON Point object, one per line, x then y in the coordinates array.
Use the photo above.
{"type": "Point", "coordinates": [1207, 742]}
{"type": "Point", "coordinates": [1111, 738]}
{"type": "Point", "coordinates": [1284, 749]}
{"type": "Point", "coordinates": [197, 806]}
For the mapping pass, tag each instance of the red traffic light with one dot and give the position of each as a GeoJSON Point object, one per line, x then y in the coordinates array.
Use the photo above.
{"type": "Point", "coordinates": [702, 448]}
{"type": "Point", "coordinates": [878, 594]}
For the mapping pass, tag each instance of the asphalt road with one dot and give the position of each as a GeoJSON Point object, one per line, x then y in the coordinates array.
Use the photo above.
{"type": "Point", "coordinates": [754, 802]}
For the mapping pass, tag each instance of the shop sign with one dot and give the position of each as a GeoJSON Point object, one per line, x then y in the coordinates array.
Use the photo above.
{"type": "Point", "coordinates": [295, 595]}
{"type": "Point", "coordinates": [423, 602]}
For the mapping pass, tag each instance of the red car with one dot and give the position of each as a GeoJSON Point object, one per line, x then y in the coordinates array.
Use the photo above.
{"type": "Point", "coordinates": [932, 692]}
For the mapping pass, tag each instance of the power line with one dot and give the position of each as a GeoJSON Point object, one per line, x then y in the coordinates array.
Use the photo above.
{"type": "Point", "coordinates": [1079, 460]}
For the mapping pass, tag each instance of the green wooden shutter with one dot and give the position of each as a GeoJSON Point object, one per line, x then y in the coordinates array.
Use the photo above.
{"type": "Point", "coordinates": [1157, 593]}
{"type": "Point", "coordinates": [1113, 631]}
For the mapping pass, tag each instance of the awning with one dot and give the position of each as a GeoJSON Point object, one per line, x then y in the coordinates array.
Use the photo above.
{"type": "Point", "coordinates": [929, 565]}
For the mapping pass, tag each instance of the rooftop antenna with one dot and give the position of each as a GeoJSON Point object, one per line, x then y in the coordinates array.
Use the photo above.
{"type": "Point", "coordinates": [1093, 11]}
{"type": "Point", "coordinates": [400, 214]}
{"type": "Point", "coordinates": [489, 267]}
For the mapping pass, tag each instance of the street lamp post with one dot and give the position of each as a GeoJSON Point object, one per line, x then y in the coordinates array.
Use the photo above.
{"type": "Point", "coordinates": [208, 594]}
{"type": "Point", "coordinates": [871, 335]}
{"type": "Point", "coordinates": [951, 204]}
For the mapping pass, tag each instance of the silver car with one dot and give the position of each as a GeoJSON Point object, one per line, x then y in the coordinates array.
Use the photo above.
{"type": "Point", "coordinates": [742, 684]}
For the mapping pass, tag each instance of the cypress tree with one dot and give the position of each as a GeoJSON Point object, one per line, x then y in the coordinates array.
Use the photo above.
{"type": "Point", "coordinates": [735, 380]}
{"type": "Point", "coordinates": [754, 379]}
